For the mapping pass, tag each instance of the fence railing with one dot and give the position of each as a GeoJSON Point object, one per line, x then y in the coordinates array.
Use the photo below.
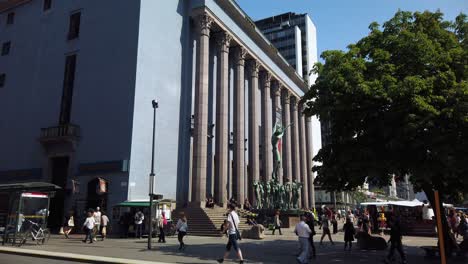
{"type": "Point", "coordinates": [67, 130]}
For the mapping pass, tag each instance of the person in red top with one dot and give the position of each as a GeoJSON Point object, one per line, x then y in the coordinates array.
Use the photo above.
{"type": "Point", "coordinates": [161, 223]}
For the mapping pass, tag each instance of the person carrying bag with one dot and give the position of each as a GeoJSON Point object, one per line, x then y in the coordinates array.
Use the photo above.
{"type": "Point", "coordinates": [233, 234]}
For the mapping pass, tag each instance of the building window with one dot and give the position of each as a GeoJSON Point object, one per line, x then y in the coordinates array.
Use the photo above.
{"type": "Point", "coordinates": [6, 48]}
{"type": "Point", "coordinates": [74, 29]}
{"type": "Point", "coordinates": [67, 92]}
{"type": "Point", "coordinates": [47, 5]}
{"type": "Point", "coordinates": [2, 79]}
{"type": "Point", "coordinates": [10, 18]}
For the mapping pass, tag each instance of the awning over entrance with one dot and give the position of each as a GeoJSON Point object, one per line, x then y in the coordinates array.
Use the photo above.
{"type": "Point", "coordinates": [413, 203]}
{"type": "Point", "coordinates": [133, 204]}
{"type": "Point", "coordinates": [144, 203]}
{"type": "Point", "coordinates": [29, 186]}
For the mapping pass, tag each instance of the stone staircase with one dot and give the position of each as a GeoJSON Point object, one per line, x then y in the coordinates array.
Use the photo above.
{"type": "Point", "coordinates": [207, 221]}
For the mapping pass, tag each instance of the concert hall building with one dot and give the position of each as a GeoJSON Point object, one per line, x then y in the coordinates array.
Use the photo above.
{"type": "Point", "coordinates": [76, 83]}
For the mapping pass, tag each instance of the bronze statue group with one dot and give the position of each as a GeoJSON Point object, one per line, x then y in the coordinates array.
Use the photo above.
{"type": "Point", "coordinates": [272, 194]}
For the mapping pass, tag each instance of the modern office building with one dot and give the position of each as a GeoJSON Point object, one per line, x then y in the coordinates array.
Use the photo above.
{"type": "Point", "coordinates": [76, 83]}
{"type": "Point", "coordinates": [295, 37]}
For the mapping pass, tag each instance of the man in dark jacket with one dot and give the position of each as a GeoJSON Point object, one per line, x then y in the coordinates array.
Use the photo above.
{"type": "Point", "coordinates": [395, 239]}
{"type": "Point", "coordinates": [311, 222]}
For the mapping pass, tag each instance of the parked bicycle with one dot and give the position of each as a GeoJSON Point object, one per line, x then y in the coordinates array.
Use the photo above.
{"type": "Point", "coordinates": [169, 229]}
{"type": "Point", "coordinates": [35, 233]}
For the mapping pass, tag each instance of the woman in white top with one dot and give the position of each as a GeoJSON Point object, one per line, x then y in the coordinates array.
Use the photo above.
{"type": "Point", "coordinates": [69, 225]}
{"type": "Point", "coordinates": [182, 227]}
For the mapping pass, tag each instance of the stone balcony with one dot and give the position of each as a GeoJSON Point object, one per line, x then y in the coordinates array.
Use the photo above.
{"type": "Point", "coordinates": [64, 137]}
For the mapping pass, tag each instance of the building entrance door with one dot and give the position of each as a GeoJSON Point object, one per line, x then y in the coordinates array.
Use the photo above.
{"type": "Point", "coordinates": [59, 172]}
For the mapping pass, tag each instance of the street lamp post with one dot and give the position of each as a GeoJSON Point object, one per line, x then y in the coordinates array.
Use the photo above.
{"type": "Point", "coordinates": [151, 178]}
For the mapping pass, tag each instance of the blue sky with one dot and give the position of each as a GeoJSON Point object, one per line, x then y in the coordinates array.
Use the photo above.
{"type": "Point", "coordinates": [341, 22]}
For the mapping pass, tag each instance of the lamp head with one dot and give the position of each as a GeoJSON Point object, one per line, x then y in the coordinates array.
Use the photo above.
{"type": "Point", "coordinates": [155, 104]}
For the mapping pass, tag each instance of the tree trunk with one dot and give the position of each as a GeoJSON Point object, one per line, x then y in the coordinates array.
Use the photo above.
{"type": "Point", "coordinates": [445, 227]}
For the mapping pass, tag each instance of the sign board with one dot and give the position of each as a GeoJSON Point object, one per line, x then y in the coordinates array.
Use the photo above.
{"type": "Point", "coordinates": [34, 195]}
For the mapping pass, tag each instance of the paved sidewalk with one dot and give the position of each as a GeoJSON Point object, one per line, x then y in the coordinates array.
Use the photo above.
{"type": "Point", "coordinates": [72, 257]}
{"type": "Point", "coordinates": [273, 249]}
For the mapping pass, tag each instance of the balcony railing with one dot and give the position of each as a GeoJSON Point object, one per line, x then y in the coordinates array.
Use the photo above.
{"type": "Point", "coordinates": [61, 131]}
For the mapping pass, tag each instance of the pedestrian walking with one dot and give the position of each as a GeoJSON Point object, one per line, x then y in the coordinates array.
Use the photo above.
{"type": "Point", "coordinates": [311, 223]}
{"type": "Point", "coordinates": [233, 234]}
{"type": "Point", "coordinates": [303, 231]}
{"type": "Point", "coordinates": [277, 223]}
{"type": "Point", "coordinates": [104, 224]}
{"type": "Point", "coordinates": [334, 222]}
{"type": "Point", "coordinates": [89, 226]}
{"type": "Point", "coordinates": [395, 240]}
{"type": "Point", "coordinates": [97, 219]}
{"type": "Point", "coordinates": [326, 230]}
{"type": "Point", "coordinates": [139, 217]}
{"type": "Point", "coordinates": [162, 222]}
{"type": "Point", "coordinates": [349, 232]}
{"type": "Point", "coordinates": [181, 228]}
{"type": "Point", "coordinates": [69, 225]}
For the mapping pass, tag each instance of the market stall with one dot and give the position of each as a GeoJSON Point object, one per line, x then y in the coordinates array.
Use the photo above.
{"type": "Point", "coordinates": [125, 212]}
{"type": "Point", "coordinates": [410, 213]}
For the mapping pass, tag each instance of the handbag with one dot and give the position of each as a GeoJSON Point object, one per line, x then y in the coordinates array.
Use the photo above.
{"type": "Point", "coordinates": [237, 230]}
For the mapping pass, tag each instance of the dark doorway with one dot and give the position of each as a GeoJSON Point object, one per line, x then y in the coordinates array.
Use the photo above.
{"type": "Point", "coordinates": [59, 171]}
{"type": "Point", "coordinates": [94, 198]}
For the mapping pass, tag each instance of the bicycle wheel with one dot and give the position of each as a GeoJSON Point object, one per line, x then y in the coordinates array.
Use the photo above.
{"type": "Point", "coordinates": [24, 237]}
{"type": "Point", "coordinates": [46, 234]}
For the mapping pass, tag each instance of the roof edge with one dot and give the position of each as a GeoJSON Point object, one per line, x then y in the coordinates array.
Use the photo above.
{"type": "Point", "coordinates": [10, 4]}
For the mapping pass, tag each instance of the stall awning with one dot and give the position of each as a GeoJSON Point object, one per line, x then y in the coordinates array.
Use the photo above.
{"type": "Point", "coordinates": [413, 203]}
{"type": "Point", "coordinates": [133, 204]}
{"type": "Point", "coordinates": [143, 203]}
{"type": "Point", "coordinates": [29, 186]}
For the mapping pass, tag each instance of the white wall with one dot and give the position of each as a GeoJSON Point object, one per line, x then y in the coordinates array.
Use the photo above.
{"type": "Point", "coordinates": [311, 35]}
{"type": "Point", "coordinates": [159, 69]}
{"type": "Point", "coordinates": [298, 43]}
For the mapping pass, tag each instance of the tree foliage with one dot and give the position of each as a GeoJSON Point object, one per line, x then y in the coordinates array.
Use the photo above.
{"type": "Point", "coordinates": [397, 104]}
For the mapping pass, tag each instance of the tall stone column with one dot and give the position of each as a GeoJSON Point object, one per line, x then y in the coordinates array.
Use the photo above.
{"type": "Point", "coordinates": [238, 173]}
{"type": "Point", "coordinates": [296, 168]}
{"type": "Point", "coordinates": [287, 158]}
{"type": "Point", "coordinates": [267, 158]}
{"type": "Point", "coordinates": [254, 163]}
{"type": "Point", "coordinates": [303, 158]}
{"type": "Point", "coordinates": [200, 136]}
{"type": "Point", "coordinates": [276, 109]}
{"type": "Point", "coordinates": [309, 154]}
{"type": "Point", "coordinates": [222, 118]}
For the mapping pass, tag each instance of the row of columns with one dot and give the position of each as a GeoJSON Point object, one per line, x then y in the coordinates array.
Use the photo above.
{"type": "Point", "coordinates": [297, 141]}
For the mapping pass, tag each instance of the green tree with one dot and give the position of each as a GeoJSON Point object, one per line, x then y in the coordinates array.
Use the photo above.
{"type": "Point", "coordinates": [397, 104]}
